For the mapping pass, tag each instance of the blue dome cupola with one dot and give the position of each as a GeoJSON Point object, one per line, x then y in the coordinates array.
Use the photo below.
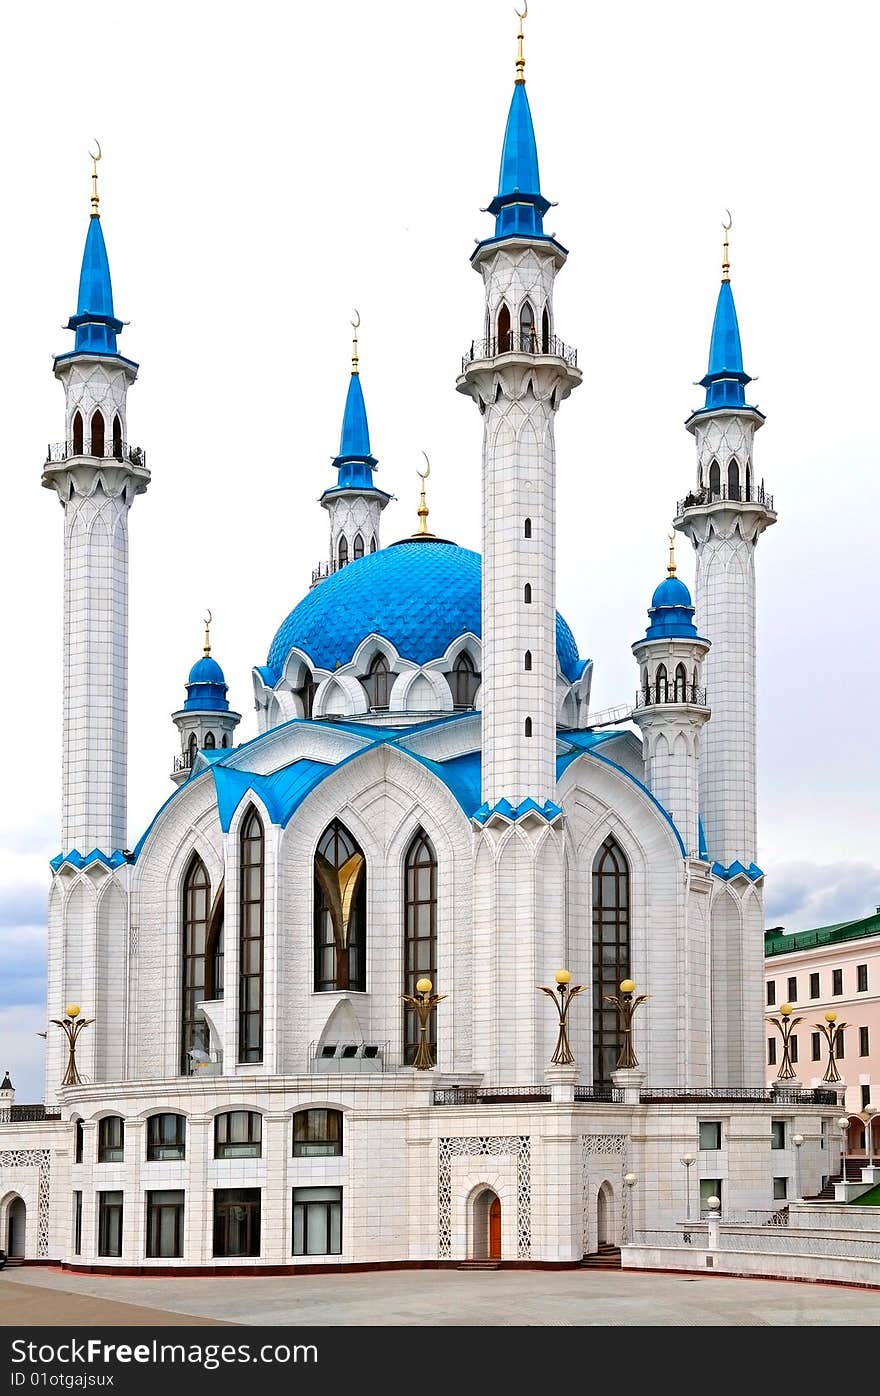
{"type": "Point", "coordinates": [519, 206]}
{"type": "Point", "coordinates": [671, 613]}
{"type": "Point", "coordinates": [206, 721]}
{"type": "Point", "coordinates": [725, 379]}
{"type": "Point", "coordinates": [95, 323]}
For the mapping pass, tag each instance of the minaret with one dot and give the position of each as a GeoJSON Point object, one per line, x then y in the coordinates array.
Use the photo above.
{"type": "Point", "coordinates": [7, 1093]}
{"type": "Point", "coordinates": [724, 518]}
{"type": "Point", "coordinates": [205, 722]}
{"type": "Point", "coordinates": [96, 475]}
{"type": "Point", "coordinates": [518, 374]}
{"type": "Point", "coordinates": [354, 503]}
{"type": "Point", "coordinates": [671, 704]}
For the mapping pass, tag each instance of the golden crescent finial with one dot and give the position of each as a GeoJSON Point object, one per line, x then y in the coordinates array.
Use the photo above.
{"type": "Point", "coordinates": [423, 531]}
{"type": "Point", "coordinates": [671, 567]}
{"type": "Point", "coordinates": [355, 325]}
{"type": "Point", "coordinates": [423, 474]}
{"type": "Point", "coordinates": [520, 60]}
{"type": "Point", "coordinates": [725, 260]}
{"type": "Point", "coordinates": [94, 159]}
{"type": "Point", "coordinates": [208, 619]}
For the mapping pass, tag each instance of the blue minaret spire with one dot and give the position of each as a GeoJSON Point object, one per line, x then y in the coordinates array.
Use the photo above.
{"type": "Point", "coordinates": [519, 206]}
{"type": "Point", "coordinates": [95, 324]}
{"type": "Point", "coordinates": [725, 378]}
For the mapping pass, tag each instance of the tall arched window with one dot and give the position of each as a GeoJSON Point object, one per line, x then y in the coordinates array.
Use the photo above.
{"type": "Point", "coordinates": [611, 926]}
{"type": "Point", "coordinates": [733, 479]}
{"type": "Point", "coordinates": [196, 896]}
{"type": "Point", "coordinates": [376, 683]}
{"type": "Point", "coordinates": [340, 911]}
{"type": "Point", "coordinates": [77, 425]}
{"type": "Point", "coordinates": [527, 593]}
{"type": "Point", "coordinates": [192, 747]}
{"type": "Point", "coordinates": [681, 683]}
{"type": "Point", "coordinates": [527, 528]}
{"type": "Point", "coordinates": [373, 544]}
{"type": "Point", "coordinates": [210, 741]}
{"type": "Point", "coordinates": [545, 331]}
{"type": "Point", "coordinates": [696, 677]}
{"type": "Point", "coordinates": [117, 437]}
{"type": "Point", "coordinates": [527, 662]}
{"type": "Point", "coordinates": [662, 684]}
{"type": "Point", "coordinates": [252, 852]}
{"type": "Point", "coordinates": [224, 740]}
{"type": "Point", "coordinates": [307, 693]}
{"type": "Point", "coordinates": [504, 344]}
{"type": "Point", "coordinates": [97, 430]}
{"type": "Point", "coordinates": [342, 553]}
{"type": "Point", "coordinates": [748, 479]}
{"type": "Point", "coordinates": [358, 546]}
{"type": "Point", "coordinates": [528, 334]}
{"type": "Point", "coordinates": [465, 681]}
{"type": "Point", "coordinates": [420, 933]}
{"type": "Point", "coordinates": [714, 479]}
{"type": "Point", "coordinates": [528, 727]}
{"type": "Point", "coordinates": [214, 949]}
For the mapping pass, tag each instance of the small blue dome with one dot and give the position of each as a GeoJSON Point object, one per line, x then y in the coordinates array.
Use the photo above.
{"type": "Point", "coordinates": [419, 595]}
{"type": "Point", "coordinates": [672, 612]}
{"type": "Point", "coordinates": [671, 592]}
{"type": "Point", "coordinates": [206, 687]}
{"type": "Point", "coordinates": [206, 670]}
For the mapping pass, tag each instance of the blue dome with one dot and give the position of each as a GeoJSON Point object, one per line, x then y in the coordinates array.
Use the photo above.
{"type": "Point", "coordinates": [671, 592]}
{"type": "Point", "coordinates": [419, 595]}
{"type": "Point", "coordinates": [672, 612]}
{"type": "Point", "coordinates": [206, 687]}
{"type": "Point", "coordinates": [206, 670]}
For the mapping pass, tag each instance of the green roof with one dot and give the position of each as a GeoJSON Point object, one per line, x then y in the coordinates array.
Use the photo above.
{"type": "Point", "coordinates": [776, 943]}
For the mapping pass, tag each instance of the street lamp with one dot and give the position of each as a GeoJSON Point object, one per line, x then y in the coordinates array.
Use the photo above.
{"type": "Point", "coordinates": [563, 1055]}
{"type": "Point", "coordinates": [785, 1026]}
{"type": "Point", "coordinates": [688, 1160]}
{"type": "Point", "coordinates": [629, 1182]}
{"type": "Point", "coordinates": [870, 1111]}
{"type": "Point", "coordinates": [797, 1140]}
{"type": "Point", "coordinates": [831, 1030]}
{"type": "Point", "coordinates": [423, 1002]}
{"type": "Point", "coordinates": [72, 1025]}
{"type": "Point", "coordinates": [843, 1126]}
{"type": "Point", "coordinates": [626, 1006]}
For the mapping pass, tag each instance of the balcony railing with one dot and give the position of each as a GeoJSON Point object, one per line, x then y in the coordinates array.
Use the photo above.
{"type": "Point", "coordinates": [671, 692]}
{"type": "Point", "coordinates": [511, 343]}
{"type": "Point", "coordinates": [497, 1095]}
{"type": "Point", "coordinates": [324, 569]}
{"type": "Point", "coordinates": [57, 452]}
{"type": "Point", "coordinates": [739, 494]}
{"type": "Point", "coordinates": [653, 1095]}
{"type": "Point", "coordinates": [183, 763]}
{"type": "Point", "coordinates": [613, 1095]}
{"type": "Point", "coordinates": [27, 1114]}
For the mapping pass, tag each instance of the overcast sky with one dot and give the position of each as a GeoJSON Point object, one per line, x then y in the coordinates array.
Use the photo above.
{"type": "Point", "coordinates": [269, 168]}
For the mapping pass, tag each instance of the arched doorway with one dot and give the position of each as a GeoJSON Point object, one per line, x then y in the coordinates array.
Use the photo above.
{"type": "Point", "coordinates": [16, 1219]}
{"type": "Point", "coordinates": [487, 1225]}
{"type": "Point", "coordinates": [605, 1216]}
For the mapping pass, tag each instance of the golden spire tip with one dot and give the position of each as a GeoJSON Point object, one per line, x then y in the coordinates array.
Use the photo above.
{"type": "Point", "coordinates": [671, 567]}
{"type": "Point", "coordinates": [355, 325]}
{"type": "Point", "coordinates": [94, 159]}
{"type": "Point", "coordinates": [208, 619]}
{"type": "Point", "coordinates": [520, 60]}
{"type": "Point", "coordinates": [423, 530]}
{"type": "Point", "coordinates": [725, 258]}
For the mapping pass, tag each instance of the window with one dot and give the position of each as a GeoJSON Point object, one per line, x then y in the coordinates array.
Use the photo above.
{"type": "Point", "coordinates": [792, 989]}
{"type": "Point", "coordinates": [709, 1187]}
{"type": "Point", "coordinates": [465, 681]}
{"type": "Point", "coordinates": [210, 741]}
{"type": "Point", "coordinates": [816, 1046]}
{"type": "Point", "coordinates": [77, 433]}
{"type": "Point", "coordinates": [165, 1224]}
{"type": "Point", "coordinates": [317, 1221]}
{"type": "Point", "coordinates": [340, 911]}
{"type": "Point", "coordinates": [238, 1134]}
{"type": "Point", "coordinates": [733, 479]}
{"type": "Point", "coordinates": [814, 986]}
{"type": "Point", "coordinates": [376, 683]}
{"type": "Point", "coordinates": [342, 552]}
{"type": "Point", "coordinates": [545, 330]}
{"type": "Point", "coordinates": [166, 1137]}
{"type": "Point", "coordinates": [214, 953]}
{"type": "Point", "coordinates": [527, 528]}
{"type": "Point", "coordinates": [662, 684]}
{"type": "Point", "coordinates": [862, 979]}
{"type": "Point", "coordinates": [748, 479]}
{"type": "Point", "coordinates": [527, 662]}
{"type": "Point", "coordinates": [528, 332]}
{"type": "Point", "coordinates": [793, 1047]}
{"type": "Point", "coordinates": [710, 1134]}
{"type": "Point", "coordinates": [420, 934]}
{"type": "Point", "coordinates": [236, 1221]}
{"type": "Point", "coordinates": [504, 341]}
{"type": "Point", "coordinates": [78, 1142]}
{"type": "Point", "coordinates": [837, 981]}
{"type": "Point", "coordinates": [714, 479]}
{"type": "Point", "coordinates": [250, 963]}
{"type": "Point", "coordinates": [192, 749]}
{"type": "Point", "coordinates": [110, 1223]}
{"type": "Point", "coordinates": [780, 1189]}
{"type": "Point", "coordinates": [111, 1139]}
{"type": "Point", "coordinates": [77, 1223]}
{"type": "Point", "coordinates": [358, 546]}
{"type": "Point", "coordinates": [777, 1134]}
{"type": "Point", "coordinates": [196, 898]}
{"type": "Point", "coordinates": [771, 992]}
{"type": "Point", "coordinates": [771, 1051]}
{"type": "Point", "coordinates": [97, 432]}
{"type": "Point", "coordinates": [306, 694]}
{"type": "Point", "coordinates": [527, 594]}
{"type": "Point", "coordinates": [117, 437]}
{"type": "Point", "coordinates": [838, 1043]}
{"type": "Point", "coordinates": [610, 952]}
{"type": "Point", "coordinates": [866, 1096]}
{"type": "Point", "coordinates": [372, 545]}
{"type": "Point", "coordinates": [527, 727]}
{"type": "Point", "coordinates": [681, 680]}
{"type": "Point", "coordinates": [317, 1133]}
{"type": "Point", "coordinates": [863, 1042]}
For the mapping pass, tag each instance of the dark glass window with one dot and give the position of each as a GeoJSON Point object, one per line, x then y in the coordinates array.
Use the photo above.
{"type": "Point", "coordinates": [317, 1221]}
{"type": "Point", "coordinates": [527, 727]}
{"type": "Point", "coordinates": [377, 683]}
{"type": "Point", "coordinates": [814, 986]}
{"type": "Point", "coordinates": [110, 1223]}
{"type": "Point", "coordinates": [238, 1134]}
{"type": "Point", "coordinates": [420, 934]}
{"type": "Point", "coordinates": [77, 1223]}
{"type": "Point", "coordinates": [545, 330]}
{"type": "Point", "coordinates": [709, 1134]}
{"type": "Point", "coordinates": [777, 1134]}
{"type": "Point", "coordinates": [780, 1189]}
{"type": "Point", "coordinates": [528, 333]}
{"type": "Point", "coordinates": [340, 911]}
{"type": "Point", "coordinates": [611, 898]}
{"type": "Point", "coordinates": [771, 1051]}
{"type": "Point", "coordinates": [527, 663]}
{"type": "Point", "coordinates": [358, 550]}
{"type": "Point", "coordinates": [97, 432]}
{"type": "Point", "coordinates": [733, 480]}
{"type": "Point", "coordinates": [372, 545]}
{"type": "Point", "coordinates": [236, 1221]}
{"type": "Point", "coordinates": [681, 683]}
{"type": "Point", "coordinates": [192, 748]}
{"type": "Point", "coordinates": [166, 1137]}
{"type": "Point", "coordinates": [861, 979]}
{"type": "Point", "coordinates": [214, 959]}
{"type": "Point", "coordinates": [504, 344]}
{"type": "Point", "coordinates": [527, 593]}
{"type": "Point", "coordinates": [165, 1223]}
{"type": "Point", "coordinates": [792, 989]}
{"type": "Point", "coordinates": [866, 1096]}
{"type": "Point", "coordinates": [250, 944]}
{"type": "Point", "coordinates": [527, 528]}
{"type": "Point", "coordinates": [793, 1047]}
{"type": "Point", "coordinates": [307, 694]}
{"type": "Point", "coordinates": [714, 479]}
{"type": "Point", "coordinates": [839, 1047]}
{"type": "Point", "coordinates": [317, 1133]}
{"type": "Point", "coordinates": [662, 681]}
{"type": "Point", "coordinates": [771, 991]}
{"type": "Point", "coordinates": [816, 1046]}
{"type": "Point", "coordinates": [111, 1139]}
{"type": "Point", "coordinates": [465, 681]}
{"type": "Point", "coordinates": [343, 551]}
{"type": "Point", "coordinates": [196, 902]}
{"type": "Point", "coordinates": [78, 1142]}
{"type": "Point", "coordinates": [77, 433]}
{"type": "Point", "coordinates": [863, 1042]}
{"type": "Point", "coordinates": [837, 981]}
{"type": "Point", "coordinates": [210, 741]}
{"type": "Point", "coordinates": [117, 437]}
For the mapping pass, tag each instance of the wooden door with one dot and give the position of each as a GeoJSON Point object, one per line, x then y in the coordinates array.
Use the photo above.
{"type": "Point", "coordinates": [495, 1229]}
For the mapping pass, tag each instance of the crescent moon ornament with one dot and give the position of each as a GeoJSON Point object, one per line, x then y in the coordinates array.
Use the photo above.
{"type": "Point", "coordinates": [208, 618]}
{"type": "Point", "coordinates": [423, 474]}
{"type": "Point", "coordinates": [97, 157]}
{"type": "Point", "coordinates": [356, 323]}
{"type": "Point", "coordinates": [729, 224]}
{"type": "Point", "coordinates": [524, 12]}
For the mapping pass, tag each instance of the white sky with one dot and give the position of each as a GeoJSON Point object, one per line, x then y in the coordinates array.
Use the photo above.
{"type": "Point", "coordinates": [269, 168]}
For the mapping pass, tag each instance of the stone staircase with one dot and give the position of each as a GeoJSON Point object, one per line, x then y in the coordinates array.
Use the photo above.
{"type": "Point", "coordinates": [853, 1174]}
{"type": "Point", "coordinates": [478, 1265]}
{"type": "Point", "coordinates": [607, 1257]}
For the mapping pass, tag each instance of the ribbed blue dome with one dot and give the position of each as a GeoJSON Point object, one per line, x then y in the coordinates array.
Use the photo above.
{"type": "Point", "coordinates": [206, 687]}
{"type": "Point", "coordinates": [419, 595]}
{"type": "Point", "coordinates": [671, 592]}
{"type": "Point", "coordinates": [206, 670]}
{"type": "Point", "coordinates": [672, 612]}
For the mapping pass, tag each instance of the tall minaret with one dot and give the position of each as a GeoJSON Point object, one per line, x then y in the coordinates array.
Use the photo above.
{"type": "Point", "coordinates": [96, 475]}
{"type": "Point", "coordinates": [354, 503]}
{"type": "Point", "coordinates": [518, 374]}
{"type": "Point", "coordinates": [724, 518]}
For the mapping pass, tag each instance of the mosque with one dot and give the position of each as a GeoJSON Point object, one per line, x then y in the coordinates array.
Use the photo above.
{"type": "Point", "coordinates": [262, 1075]}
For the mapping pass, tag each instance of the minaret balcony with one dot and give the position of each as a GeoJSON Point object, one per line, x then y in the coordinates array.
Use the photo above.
{"type": "Point", "coordinates": [724, 494]}
{"type": "Point", "coordinates": [678, 693]}
{"type": "Point", "coordinates": [59, 452]}
{"type": "Point", "coordinates": [532, 344]}
{"type": "Point", "coordinates": [326, 569]}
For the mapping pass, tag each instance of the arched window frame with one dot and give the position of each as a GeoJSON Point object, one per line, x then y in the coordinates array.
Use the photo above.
{"type": "Point", "coordinates": [215, 947]}
{"type": "Point", "coordinates": [117, 436]}
{"type": "Point", "coordinates": [342, 552]}
{"type": "Point", "coordinates": [733, 478]}
{"type": "Point", "coordinates": [373, 544]}
{"type": "Point", "coordinates": [527, 727]}
{"type": "Point", "coordinates": [612, 899]}
{"type": "Point", "coordinates": [545, 330]}
{"type": "Point", "coordinates": [377, 683]}
{"type": "Point", "coordinates": [527, 594]}
{"type": "Point", "coordinates": [192, 748]}
{"type": "Point", "coordinates": [465, 681]}
{"type": "Point", "coordinates": [251, 906]}
{"type": "Point", "coordinates": [527, 662]}
{"type": "Point", "coordinates": [681, 682]}
{"type": "Point", "coordinates": [210, 741]}
{"type": "Point", "coordinates": [527, 528]}
{"type": "Point", "coordinates": [340, 911]}
{"type": "Point", "coordinates": [661, 683]}
{"type": "Point", "coordinates": [504, 325]}
{"type": "Point", "coordinates": [77, 433]}
{"type": "Point", "coordinates": [714, 479]}
{"type": "Point", "coordinates": [196, 901]}
{"type": "Point", "coordinates": [358, 548]}
{"type": "Point", "coordinates": [419, 933]}
{"type": "Point", "coordinates": [317, 1133]}
{"type": "Point", "coordinates": [527, 328]}
{"type": "Point", "coordinates": [96, 432]}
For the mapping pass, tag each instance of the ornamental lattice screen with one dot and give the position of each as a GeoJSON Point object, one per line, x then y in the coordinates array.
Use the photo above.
{"type": "Point", "coordinates": [34, 1158]}
{"type": "Point", "coordinates": [517, 1146]}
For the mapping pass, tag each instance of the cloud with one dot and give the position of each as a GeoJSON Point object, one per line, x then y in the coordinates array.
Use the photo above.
{"type": "Point", "coordinates": [21, 1051]}
{"type": "Point", "coordinates": [802, 896]}
{"type": "Point", "coordinates": [23, 905]}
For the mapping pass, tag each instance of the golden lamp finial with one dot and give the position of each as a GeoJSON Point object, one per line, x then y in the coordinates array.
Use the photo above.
{"type": "Point", "coordinates": [520, 60]}
{"type": "Point", "coordinates": [671, 568]}
{"type": "Point", "coordinates": [94, 159]}
{"type": "Point", "coordinates": [423, 530]}
{"type": "Point", "coordinates": [355, 325]}
{"type": "Point", "coordinates": [725, 259]}
{"type": "Point", "coordinates": [208, 619]}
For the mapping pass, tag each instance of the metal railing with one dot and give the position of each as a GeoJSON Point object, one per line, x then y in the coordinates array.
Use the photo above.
{"type": "Point", "coordinates": [513, 343]}
{"type": "Point", "coordinates": [652, 1095]}
{"type": "Point", "coordinates": [24, 1114]}
{"type": "Point", "coordinates": [325, 569]}
{"type": "Point", "coordinates": [183, 763]}
{"type": "Point", "coordinates": [602, 1095]}
{"type": "Point", "coordinates": [57, 452]}
{"type": "Point", "coordinates": [671, 692]}
{"type": "Point", "coordinates": [743, 494]}
{"type": "Point", "coordinates": [490, 1095]}
{"type": "Point", "coordinates": [809, 940]}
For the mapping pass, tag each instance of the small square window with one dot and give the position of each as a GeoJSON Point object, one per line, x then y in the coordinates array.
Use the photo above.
{"type": "Point", "coordinates": [771, 1051]}
{"type": "Point", "coordinates": [863, 1042]}
{"type": "Point", "coordinates": [771, 991]}
{"type": "Point", "coordinates": [814, 986]}
{"type": "Point", "coordinates": [792, 989]}
{"type": "Point", "coordinates": [777, 1134]}
{"type": "Point", "coordinates": [837, 981]}
{"type": "Point", "coordinates": [862, 978]}
{"type": "Point", "coordinates": [710, 1134]}
{"type": "Point", "coordinates": [780, 1189]}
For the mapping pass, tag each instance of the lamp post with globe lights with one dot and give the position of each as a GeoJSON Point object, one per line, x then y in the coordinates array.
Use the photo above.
{"type": "Point", "coordinates": [423, 1002]}
{"type": "Point", "coordinates": [563, 1055]}
{"type": "Point", "coordinates": [832, 1031]}
{"type": "Point", "coordinates": [72, 1025]}
{"type": "Point", "coordinates": [798, 1142]}
{"type": "Point", "coordinates": [869, 1111]}
{"type": "Point", "coordinates": [629, 1182]}
{"type": "Point", "coordinates": [687, 1161]}
{"type": "Point", "coordinates": [843, 1126]}
{"type": "Point", "coordinates": [785, 1026]}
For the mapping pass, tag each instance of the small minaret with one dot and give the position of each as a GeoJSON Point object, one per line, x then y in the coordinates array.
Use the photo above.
{"type": "Point", "coordinates": [96, 475]}
{"type": "Point", "coordinates": [724, 518]}
{"type": "Point", "coordinates": [7, 1093]}
{"type": "Point", "coordinates": [518, 374]}
{"type": "Point", "coordinates": [205, 722]}
{"type": "Point", "coordinates": [354, 503]}
{"type": "Point", "coordinates": [671, 704]}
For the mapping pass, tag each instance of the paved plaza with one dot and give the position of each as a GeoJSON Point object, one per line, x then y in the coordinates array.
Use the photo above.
{"type": "Point", "coordinates": [38, 1296]}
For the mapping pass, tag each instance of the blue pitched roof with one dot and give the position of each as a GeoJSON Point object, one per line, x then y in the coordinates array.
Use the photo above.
{"type": "Point", "coordinates": [725, 377]}
{"type": "Point", "coordinates": [95, 322]}
{"type": "Point", "coordinates": [354, 462]}
{"type": "Point", "coordinates": [519, 206]}
{"type": "Point", "coordinates": [419, 595]}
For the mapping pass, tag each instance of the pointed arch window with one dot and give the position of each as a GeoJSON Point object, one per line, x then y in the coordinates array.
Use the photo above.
{"type": "Point", "coordinates": [252, 856]}
{"type": "Point", "coordinates": [342, 553]}
{"type": "Point", "coordinates": [527, 594]}
{"type": "Point", "coordinates": [306, 693]}
{"type": "Point", "coordinates": [224, 740]}
{"type": "Point", "coordinates": [117, 437]}
{"type": "Point", "coordinates": [714, 479]}
{"type": "Point", "coordinates": [545, 331]}
{"type": "Point", "coordinates": [662, 684]}
{"type": "Point", "coordinates": [420, 934]}
{"type": "Point", "coordinates": [611, 952]}
{"type": "Point", "coordinates": [340, 911]}
{"type": "Point", "coordinates": [504, 336]}
{"type": "Point", "coordinates": [733, 479]}
{"type": "Point", "coordinates": [378, 683]}
{"type": "Point", "coordinates": [527, 528]}
{"type": "Point", "coordinates": [210, 741]}
{"type": "Point", "coordinates": [527, 331]}
{"type": "Point", "coordinates": [97, 430]}
{"type": "Point", "coordinates": [748, 494]}
{"type": "Point", "coordinates": [372, 545]}
{"type": "Point", "coordinates": [696, 678]}
{"type": "Point", "coordinates": [192, 748]}
{"type": "Point", "coordinates": [358, 549]}
{"type": "Point", "coordinates": [196, 900]}
{"type": "Point", "coordinates": [77, 426]}
{"type": "Point", "coordinates": [681, 683]}
{"type": "Point", "coordinates": [465, 681]}
{"type": "Point", "coordinates": [646, 687]}
{"type": "Point", "coordinates": [528, 727]}
{"type": "Point", "coordinates": [527, 662]}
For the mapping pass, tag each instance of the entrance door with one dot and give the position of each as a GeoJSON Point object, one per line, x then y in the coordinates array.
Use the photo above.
{"type": "Point", "coordinates": [495, 1229]}
{"type": "Point", "coordinates": [604, 1221]}
{"type": "Point", "coordinates": [15, 1229]}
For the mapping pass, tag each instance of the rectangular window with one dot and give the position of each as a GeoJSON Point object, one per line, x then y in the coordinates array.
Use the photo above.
{"type": "Point", "coordinates": [166, 1137]}
{"type": "Point", "coordinates": [250, 945]}
{"type": "Point", "coordinates": [777, 1134]}
{"type": "Point", "coordinates": [866, 1096]}
{"type": "Point", "coordinates": [771, 992]}
{"type": "Point", "coordinates": [165, 1224]}
{"type": "Point", "coordinates": [863, 1042]}
{"type": "Point", "coordinates": [862, 978]}
{"type": "Point", "coordinates": [110, 1223]}
{"type": "Point", "coordinates": [838, 1044]}
{"type": "Point", "coordinates": [793, 1047]}
{"type": "Point", "coordinates": [816, 1046]}
{"type": "Point", "coordinates": [78, 1142]}
{"type": "Point", "coordinates": [238, 1134]}
{"type": "Point", "coordinates": [837, 981]}
{"type": "Point", "coordinates": [317, 1221]}
{"type": "Point", "coordinates": [709, 1187]}
{"type": "Point", "coordinates": [111, 1139]}
{"type": "Point", "coordinates": [780, 1189]}
{"type": "Point", "coordinates": [771, 1051]}
{"type": "Point", "coordinates": [236, 1221]}
{"type": "Point", "coordinates": [792, 989]}
{"type": "Point", "coordinates": [77, 1223]}
{"type": "Point", "coordinates": [710, 1134]}
{"type": "Point", "coordinates": [317, 1133]}
{"type": "Point", "coordinates": [814, 986]}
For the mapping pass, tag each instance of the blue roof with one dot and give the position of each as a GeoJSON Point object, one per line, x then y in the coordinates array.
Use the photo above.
{"type": "Point", "coordinates": [419, 595]}
{"type": "Point", "coordinates": [519, 206]}
{"type": "Point", "coordinates": [725, 378]}
{"type": "Point", "coordinates": [355, 462]}
{"type": "Point", "coordinates": [206, 688]}
{"type": "Point", "coordinates": [95, 323]}
{"type": "Point", "coordinates": [672, 612]}
{"type": "Point", "coordinates": [206, 670]}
